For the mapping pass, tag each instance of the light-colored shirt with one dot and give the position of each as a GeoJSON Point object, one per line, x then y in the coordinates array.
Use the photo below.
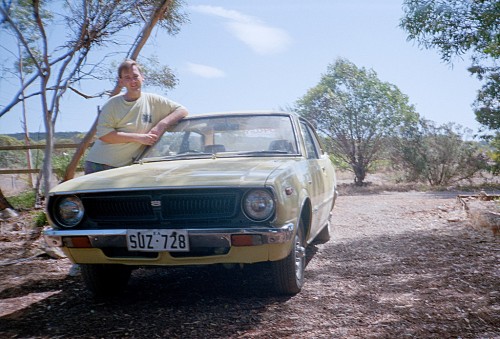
{"type": "Point", "coordinates": [133, 117]}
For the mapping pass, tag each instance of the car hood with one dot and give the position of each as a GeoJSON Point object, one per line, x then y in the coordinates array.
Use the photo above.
{"type": "Point", "coordinates": [183, 173]}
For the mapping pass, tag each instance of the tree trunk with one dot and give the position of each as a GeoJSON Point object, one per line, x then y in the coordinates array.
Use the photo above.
{"type": "Point", "coordinates": [24, 121]}
{"type": "Point", "coordinates": [49, 149]}
{"type": "Point", "coordinates": [360, 175]}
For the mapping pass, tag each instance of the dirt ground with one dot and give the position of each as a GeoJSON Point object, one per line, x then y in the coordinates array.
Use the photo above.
{"type": "Point", "coordinates": [399, 264]}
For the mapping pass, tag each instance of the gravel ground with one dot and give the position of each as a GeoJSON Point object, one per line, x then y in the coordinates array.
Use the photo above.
{"type": "Point", "coordinates": [398, 265]}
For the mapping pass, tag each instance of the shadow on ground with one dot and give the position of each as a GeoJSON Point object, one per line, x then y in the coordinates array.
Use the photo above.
{"type": "Point", "coordinates": [428, 284]}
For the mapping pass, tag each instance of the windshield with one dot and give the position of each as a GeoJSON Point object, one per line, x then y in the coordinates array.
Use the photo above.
{"type": "Point", "coordinates": [228, 135]}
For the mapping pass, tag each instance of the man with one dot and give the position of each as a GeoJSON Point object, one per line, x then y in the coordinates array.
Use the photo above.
{"type": "Point", "coordinates": [130, 121]}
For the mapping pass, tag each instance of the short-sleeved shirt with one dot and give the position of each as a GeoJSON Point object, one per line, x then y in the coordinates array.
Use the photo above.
{"type": "Point", "coordinates": [133, 117]}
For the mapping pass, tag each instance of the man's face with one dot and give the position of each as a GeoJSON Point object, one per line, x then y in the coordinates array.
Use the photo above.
{"type": "Point", "coordinates": [131, 79]}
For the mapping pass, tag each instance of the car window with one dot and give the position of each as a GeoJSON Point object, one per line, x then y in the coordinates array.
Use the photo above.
{"type": "Point", "coordinates": [311, 143]}
{"type": "Point", "coordinates": [177, 142]}
{"type": "Point", "coordinates": [270, 134]}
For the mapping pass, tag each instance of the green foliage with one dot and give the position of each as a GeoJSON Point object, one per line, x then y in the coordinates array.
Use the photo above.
{"type": "Point", "coordinates": [71, 137]}
{"type": "Point", "coordinates": [6, 140]}
{"type": "Point", "coordinates": [459, 27]}
{"type": "Point", "coordinates": [356, 112]}
{"type": "Point", "coordinates": [437, 155]}
{"type": "Point", "coordinates": [40, 219]}
{"type": "Point", "coordinates": [60, 163]}
{"type": "Point", "coordinates": [454, 27]}
{"type": "Point", "coordinates": [339, 163]}
{"type": "Point", "coordinates": [494, 154]}
{"type": "Point", "coordinates": [380, 165]}
{"type": "Point", "coordinates": [23, 201]}
{"type": "Point", "coordinates": [158, 75]}
{"type": "Point", "coordinates": [7, 158]}
{"type": "Point", "coordinates": [487, 104]}
{"type": "Point", "coordinates": [17, 159]}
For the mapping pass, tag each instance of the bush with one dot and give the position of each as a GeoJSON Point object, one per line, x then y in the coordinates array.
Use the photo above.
{"type": "Point", "coordinates": [437, 155]}
{"type": "Point", "coordinates": [40, 219]}
{"type": "Point", "coordinates": [494, 154]}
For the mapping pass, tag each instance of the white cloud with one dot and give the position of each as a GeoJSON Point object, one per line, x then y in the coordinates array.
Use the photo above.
{"type": "Point", "coordinates": [205, 71]}
{"type": "Point", "coordinates": [222, 12]}
{"type": "Point", "coordinates": [260, 37]}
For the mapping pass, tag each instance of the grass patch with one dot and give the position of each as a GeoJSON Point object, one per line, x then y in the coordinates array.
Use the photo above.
{"type": "Point", "coordinates": [23, 201]}
{"type": "Point", "coordinates": [40, 219]}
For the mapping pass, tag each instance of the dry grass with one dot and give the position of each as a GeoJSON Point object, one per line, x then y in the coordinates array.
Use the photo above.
{"type": "Point", "coordinates": [390, 181]}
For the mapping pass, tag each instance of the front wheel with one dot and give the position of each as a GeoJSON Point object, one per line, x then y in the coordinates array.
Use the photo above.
{"type": "Point", "coordinates": [288, 273]}
{"type": "Point", "coordinates": [105, 280]}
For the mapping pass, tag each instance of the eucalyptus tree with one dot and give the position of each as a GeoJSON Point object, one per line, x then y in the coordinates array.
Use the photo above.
{"type": "Point", "coordinates": [357, 112]}
{"type": "Point", "coordinates": [61, 61]}
{"type": "Point", "coordinates": [23, 68]}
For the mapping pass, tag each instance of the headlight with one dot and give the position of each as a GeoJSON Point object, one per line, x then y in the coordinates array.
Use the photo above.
{"type": "Point", "coordinates": [258, 204]}
{"type": "Point", "coordinates": [69, 211]}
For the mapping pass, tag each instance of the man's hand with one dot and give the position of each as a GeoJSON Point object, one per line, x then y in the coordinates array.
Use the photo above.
{"type": "Point", "coordinates": [147, 139]}
{"type": "Point", "coordinates": [169, 120]}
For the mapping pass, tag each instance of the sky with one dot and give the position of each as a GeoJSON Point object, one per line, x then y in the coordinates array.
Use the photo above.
{"type": "Point", "coordinates": [266, 54]}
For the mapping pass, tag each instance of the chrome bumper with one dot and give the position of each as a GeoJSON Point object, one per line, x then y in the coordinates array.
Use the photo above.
{"type": "Point", "coordinates": [197, 237]}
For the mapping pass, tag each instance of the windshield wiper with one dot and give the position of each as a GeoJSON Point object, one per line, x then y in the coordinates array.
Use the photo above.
{"type": "Point", "coordinates": [184, 155]}
{"type": "Point", "coordinates": [261, 152]}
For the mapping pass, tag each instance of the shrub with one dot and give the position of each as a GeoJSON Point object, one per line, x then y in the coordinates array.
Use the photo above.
{"type": "Point", "coordinates": [437, 155]}
{"type": "Point", "coordinates": [40, 219]}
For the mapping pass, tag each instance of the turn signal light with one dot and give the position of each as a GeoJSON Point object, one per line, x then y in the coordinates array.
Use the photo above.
{"type": "Point", "coordinates": [77, 242]}
{"type": "Point", "coordinates": [246, 240]}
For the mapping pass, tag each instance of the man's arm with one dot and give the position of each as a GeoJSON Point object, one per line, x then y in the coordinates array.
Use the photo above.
{"type": "Point", "coordinates": [115, 137]}
{"type": "Point", "coordinates": [169, 120]}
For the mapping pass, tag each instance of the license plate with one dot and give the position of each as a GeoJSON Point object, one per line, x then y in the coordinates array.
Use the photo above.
{"type": "Point", "coordinates": [158, 240]}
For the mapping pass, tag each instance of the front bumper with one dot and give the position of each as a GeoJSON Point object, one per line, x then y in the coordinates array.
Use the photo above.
{"type": "Point", "coordinates": [268, 244]}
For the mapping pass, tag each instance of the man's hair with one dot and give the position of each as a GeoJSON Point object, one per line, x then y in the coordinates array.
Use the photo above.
{"type": "Point", "coordinates": [127, 65]}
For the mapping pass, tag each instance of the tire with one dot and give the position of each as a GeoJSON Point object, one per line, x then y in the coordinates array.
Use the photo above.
{"type": "Point", "coordinates": [105, 280]}
{"type": "Point", "coordinates": [288, 273]}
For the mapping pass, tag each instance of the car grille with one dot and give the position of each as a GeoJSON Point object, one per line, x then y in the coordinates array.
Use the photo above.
{"type": "Point", "coordinates": [188, 206]}
{"type": "Point", "coordinates": [121, 208]}
{"type": "Point", "coordinates": [202, 208]}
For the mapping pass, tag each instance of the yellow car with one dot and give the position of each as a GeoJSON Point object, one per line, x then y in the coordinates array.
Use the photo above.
{"type": "Point", "coordinates": [222, 188]}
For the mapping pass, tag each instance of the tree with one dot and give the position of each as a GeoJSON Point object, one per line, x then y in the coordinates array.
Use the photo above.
{"type": "Point", "coordinates": [357, 112]}
{"type": "Point", "coordinates": [457, 28]}
{"type": "Point", "coordinates": [24, 67]}
{"type": "Point", "coordinates": [437, 155]}
{"type": "Point", "coordinates": [161, 76]}
{"type": "Point", "coordinates": [88, 25]}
